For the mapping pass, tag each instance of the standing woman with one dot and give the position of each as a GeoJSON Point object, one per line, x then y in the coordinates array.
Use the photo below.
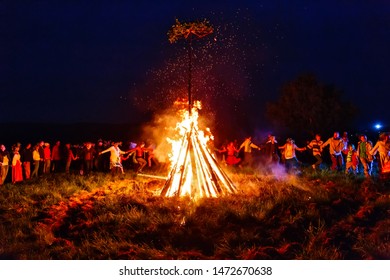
{"type": "Point", "coordinates": [4, 163]}
{"type": "Point", "coordinates": [17, 173]}
{"type": "Point", "coordinates": [115, 157]}
{"type": "Point", "coordinates": [231, 151]}
{"type": "Point", "coordinates": [291, 161]}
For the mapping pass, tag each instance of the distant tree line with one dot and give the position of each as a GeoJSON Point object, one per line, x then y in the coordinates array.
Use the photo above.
{"type": "Point", "coordinates": [306, 107]}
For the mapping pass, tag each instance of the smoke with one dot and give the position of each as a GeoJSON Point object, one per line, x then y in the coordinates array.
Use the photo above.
{"type": "Point", "coordinates": [158, 130]}
{"type": "Point", "coordinates": [278, 172]}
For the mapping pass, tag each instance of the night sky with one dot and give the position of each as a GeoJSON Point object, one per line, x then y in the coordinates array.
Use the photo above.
{"type": "Point", "coordinates": [104, 61]}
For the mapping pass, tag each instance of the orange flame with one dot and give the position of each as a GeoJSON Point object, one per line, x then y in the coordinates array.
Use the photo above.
{"type": "Point", "coordinates": [194, 170]}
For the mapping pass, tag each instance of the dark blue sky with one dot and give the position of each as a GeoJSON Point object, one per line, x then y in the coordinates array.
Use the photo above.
{"type": "Point", "coordinates": [82, 61]}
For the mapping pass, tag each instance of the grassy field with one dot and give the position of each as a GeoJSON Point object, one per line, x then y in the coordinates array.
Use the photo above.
{"type": "Point", "coordinates": [313, 216]}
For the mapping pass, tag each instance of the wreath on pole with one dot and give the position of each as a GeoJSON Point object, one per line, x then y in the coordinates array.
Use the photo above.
{"type": "Point", "coordinates": [188, 30]}
{"type": "Point", "coordinates": [198, 28]}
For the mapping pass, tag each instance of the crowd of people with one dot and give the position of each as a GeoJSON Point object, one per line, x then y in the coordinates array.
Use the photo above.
{"type": "Point", "coordinates": [28, 162]}
{"type": "Point", "coordinates": [344, 155]}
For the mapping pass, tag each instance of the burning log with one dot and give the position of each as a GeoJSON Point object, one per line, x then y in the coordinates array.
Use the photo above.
{"type": "Point", "coordinates": [195, 171]}
{"type": "Point", "coordinates": [152, 176]}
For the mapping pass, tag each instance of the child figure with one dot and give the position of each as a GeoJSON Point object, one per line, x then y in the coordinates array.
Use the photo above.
{"type": "Point", "coordinates": [121, 159]}
{"type": "Point", "coordinates": [352, 160]}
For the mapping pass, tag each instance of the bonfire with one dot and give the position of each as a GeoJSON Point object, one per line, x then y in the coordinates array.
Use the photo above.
{"type": "Point", "coordinates": [194, 170]}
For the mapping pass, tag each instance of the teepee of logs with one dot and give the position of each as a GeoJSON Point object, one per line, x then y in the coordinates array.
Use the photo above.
{"type": "Point", "coordinates": [195, 171]}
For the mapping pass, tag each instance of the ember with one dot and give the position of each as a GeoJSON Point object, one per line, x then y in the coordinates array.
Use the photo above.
{"type": "Point", "coordinates": [195, 171]}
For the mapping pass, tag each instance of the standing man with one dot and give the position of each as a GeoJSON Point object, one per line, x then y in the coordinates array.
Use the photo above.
{"type": "Point", "coordinates": [345, 150]}
{"type": "Point", "coordinates": [364, 153]}
{"type": "Point", "coordinates": [36, 161]}
{"type": "Point", "coordinates": [247, 145]}
{"type": "Point", "coordinates": [98, 161]}
{"type": "Point", "coordinates": [46, 158]}
{"type": "Point", "coordinates": [69, 157]}
{"type": "Point", "coordinates": [27, 159]}
{"type": "Point", "coordinates": [271, 151]}
{"type": "Point", "coordinates": [315, 146]}
{"type": "Point", "coordinates": [336, 145]}
{"type": "Point", "coordinates": [41, 151]}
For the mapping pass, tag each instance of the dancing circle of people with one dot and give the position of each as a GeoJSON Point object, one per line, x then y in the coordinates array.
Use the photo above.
{"type": "Point", "coordinates": [344, 156]}
{"type": "Point", "coordinates": [30, 162]}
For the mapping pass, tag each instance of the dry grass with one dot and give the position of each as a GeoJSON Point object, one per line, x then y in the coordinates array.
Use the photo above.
{"type": "Point", "coordinates": [313, 216]}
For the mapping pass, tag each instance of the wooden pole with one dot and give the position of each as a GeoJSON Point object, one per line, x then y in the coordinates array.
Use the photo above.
{"type": "Point", "coordinates": [189, 74]}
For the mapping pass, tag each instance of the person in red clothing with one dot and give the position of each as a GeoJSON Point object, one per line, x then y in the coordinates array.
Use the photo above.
{"type": "Point", "coordinates": [17, 173]}
{"type": "Point", "coordinates": [139, 155]}
{"type": "Point", "coordinates": [56, 157]}
{"type": "Point", "coordinates": [231, 152]}
{"type": "Point", "coordinates": [121, 159]}
{"type": "Point", "coordinates": [88, 156]}
{"type": "Point", "coordinates": [46, 158]}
